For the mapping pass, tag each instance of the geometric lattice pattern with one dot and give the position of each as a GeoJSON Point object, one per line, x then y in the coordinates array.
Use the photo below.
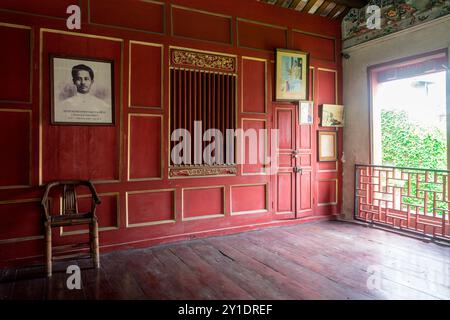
{"type": "Point", "coordinates": [405, 198]}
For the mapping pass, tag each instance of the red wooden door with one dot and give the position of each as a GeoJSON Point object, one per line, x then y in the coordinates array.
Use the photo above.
{"type": "Point", "coordinates": [304, 162]}
{"type": "Point", "coordinates": [293, 180]}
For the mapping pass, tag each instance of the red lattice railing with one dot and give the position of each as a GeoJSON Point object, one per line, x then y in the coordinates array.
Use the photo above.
{"type": "Point", "coordinates": [410, 199]}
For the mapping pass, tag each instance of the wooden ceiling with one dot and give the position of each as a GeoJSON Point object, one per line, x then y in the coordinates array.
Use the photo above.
{"type": "Point", "coordinates": [333, 9]}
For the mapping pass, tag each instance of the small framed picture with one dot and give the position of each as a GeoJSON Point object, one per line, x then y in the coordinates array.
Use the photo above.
{"type": "Point", "coordinates": [82, 91]}
{"type": "Point", "coordinates": [327, 150]}
{"type": "Point", "coordinates": [306, 112]}
{"type": "Point", "coordinates": [332, 115]}
{"type": "Point", "coordinates": [292, 78]}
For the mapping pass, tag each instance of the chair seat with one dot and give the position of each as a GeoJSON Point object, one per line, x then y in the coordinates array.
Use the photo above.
{"type": "Point", "coordinates": [71, 219]}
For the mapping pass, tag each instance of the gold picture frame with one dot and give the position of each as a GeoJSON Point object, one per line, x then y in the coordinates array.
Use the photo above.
{"type": "Point", "coordinates": [292, 75]}
{"type": "Point", "coordinates": [305, 112]}
{"type": "Point", "coordinates": [332, 115]}
{"type": "Point", "coordinates": [327, 148]}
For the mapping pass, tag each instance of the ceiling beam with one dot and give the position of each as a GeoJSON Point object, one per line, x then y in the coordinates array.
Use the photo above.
{"type": "Point", "coordinates": [336, 9]}
{"type": "Point", "coordinates": [351, 3]}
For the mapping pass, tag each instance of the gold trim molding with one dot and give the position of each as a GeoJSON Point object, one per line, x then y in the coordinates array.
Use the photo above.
{"type": "Point", "coordinates": [242, 85]}
{"type": "Point", "coordinates": [42, 31]}
{"type": "Point", "coordinates": [30, 149]}
{"type": "Point", "coordinates": [132, 29]}
{"type": "Point", "coordinates": [322, 204]}
{"type": "Point", "coordinates": [266, 193]}
{"type": "Point", "coordinates": [161, 117]}
{"type": "Point", "coordinates": [208, 216]}
{"type": "Point", "coordinates": [84, 231]}
{"type": "Point", "coordinates": [335, 82]}
{"type": "Point", "coordinates": [148, 44]}
{"type": "Point", "coordinates": [20, 239]}
{"type": "Point", "coordinates": [150, 223]}
{"type": "Point", "coordinates": [201, 171]}
{"type": "Point", "coordinates": [230, 18]}
{"type": "Point", "coordinates": [199, 59]}
{"type": "Point", "coordinates": [30, 29]}
{"type": "Point", "coordinates": [265, 167]}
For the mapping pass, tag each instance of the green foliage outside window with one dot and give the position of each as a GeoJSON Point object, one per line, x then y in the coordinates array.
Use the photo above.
{"type": "Point", "coordinates": [408, 144]}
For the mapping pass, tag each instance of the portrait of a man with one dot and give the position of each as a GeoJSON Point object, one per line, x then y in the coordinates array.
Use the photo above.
{"type": "Point", "coordinates": [82, 91]}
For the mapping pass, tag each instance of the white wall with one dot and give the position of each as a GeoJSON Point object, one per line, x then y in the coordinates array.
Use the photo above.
{"type": "Point", "coordinates": [416, 40]}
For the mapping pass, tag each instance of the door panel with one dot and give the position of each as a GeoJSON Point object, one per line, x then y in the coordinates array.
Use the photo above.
{"type": "Point", "coordinates": [293, 181]}
{"type": "Point", "coordinates": [285, 188]}
{"type": "Point", "coordinates": [304, 202]}
{"type": "Point", "coordinates": [285, 193]}
{"type": "Point", "coordinates": [285, 123]}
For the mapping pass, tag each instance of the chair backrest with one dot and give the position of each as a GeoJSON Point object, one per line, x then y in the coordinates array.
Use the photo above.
{"type": "Point", "coordinates": [70, 204]}
{"type": "Point", "coordinates": [68, 192]}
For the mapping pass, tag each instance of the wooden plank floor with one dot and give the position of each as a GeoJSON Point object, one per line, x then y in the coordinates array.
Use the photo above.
{"type": "Point", "coordinates": [325, 260]}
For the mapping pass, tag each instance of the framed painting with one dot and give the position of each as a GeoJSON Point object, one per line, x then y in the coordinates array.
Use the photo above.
{"type": "Point", "coordinates": [306, 112]}
{"type": "Point", "coordinates": [82, 91]}
{"type": "Point", "coordinates": [332, 115]}
{"type": "Point", "coordinates": [292, 78]}
{"type": "Point", "coordinates": [327, 150]}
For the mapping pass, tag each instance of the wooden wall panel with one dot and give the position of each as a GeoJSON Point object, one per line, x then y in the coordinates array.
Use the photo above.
{"type": "Point", "coordinates": [201, 25]}
{"type": "Point", "coordinates": [107, 213]}
{"type": "Point", "coordinates": [305, 190]}
{"type": "Point", "coordinates": [252, 34]}
{"type": "Point", "coordinates": [21, 220]}
{"type": "Point", "coordinates": [116, 157]}
{"type": "Point", "coordinates": [15, 58]}
{"type": "Point", "coordinates": [15, 143]}
{"type": "Point", "coordinates": [327, 192]}
{"type": "Point", "coordinates": [285, 192]}
{"type": "Point", "coordinates": [254, 83]}
{"type": "Point", "coordinates": [144, 146]}
{"type": "Point", "coordinates": [202, 202]}
{"type": "Point", "coordinates": [305, 160]}
{"type": "Point", "coordinates": [286, 140]}
{"type": "Point", "coordinates": [305, 137]}
{"type": "Point", "coordinates": [329, 166]}
{"type": "Point", "coordinates": [254, 145]}
{"type": "Point", "coordinates": [146, 16]}
{"type": "Point", "coordinates": [146, 75]}
{"type": "Point", "coordinates": [249, 199]}
{"type": "Point", "coordinates": [326, 86]}
{"type": "Point", "coordinates": [318, 47]}
{"type": "Point", "coordinates": [50, 8]}
{"type": "Point", "coordinates": [285, 160]}
{"type": "Point", "coordinates": [80, 152]}
{"type": "Point", "coordinates": [144, 208]}
{"type": "Point", "coordinates": [66, 158]}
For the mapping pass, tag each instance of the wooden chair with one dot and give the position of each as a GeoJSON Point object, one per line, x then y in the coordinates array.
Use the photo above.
{"type": "Point", "coordinates": [69, 217]}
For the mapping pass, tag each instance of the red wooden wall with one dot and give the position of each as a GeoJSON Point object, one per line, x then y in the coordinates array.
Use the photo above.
{"type": "Point", "coordinates": [129, 161]}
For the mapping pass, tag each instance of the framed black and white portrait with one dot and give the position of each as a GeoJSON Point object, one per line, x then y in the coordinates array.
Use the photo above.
{"type": "Point", "coordinates": [81, 91]}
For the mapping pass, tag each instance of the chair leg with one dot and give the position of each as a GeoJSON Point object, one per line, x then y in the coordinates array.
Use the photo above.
{"type": "Point", "coordinates": [48, 248]}
{"type": "Point", "coordinates": [94, 243]}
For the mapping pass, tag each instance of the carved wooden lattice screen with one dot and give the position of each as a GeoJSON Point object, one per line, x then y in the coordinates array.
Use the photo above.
{"type": "Point", "coordinates": [410, 199]}
{"type": "Point", "coordinates": [202, 88]}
